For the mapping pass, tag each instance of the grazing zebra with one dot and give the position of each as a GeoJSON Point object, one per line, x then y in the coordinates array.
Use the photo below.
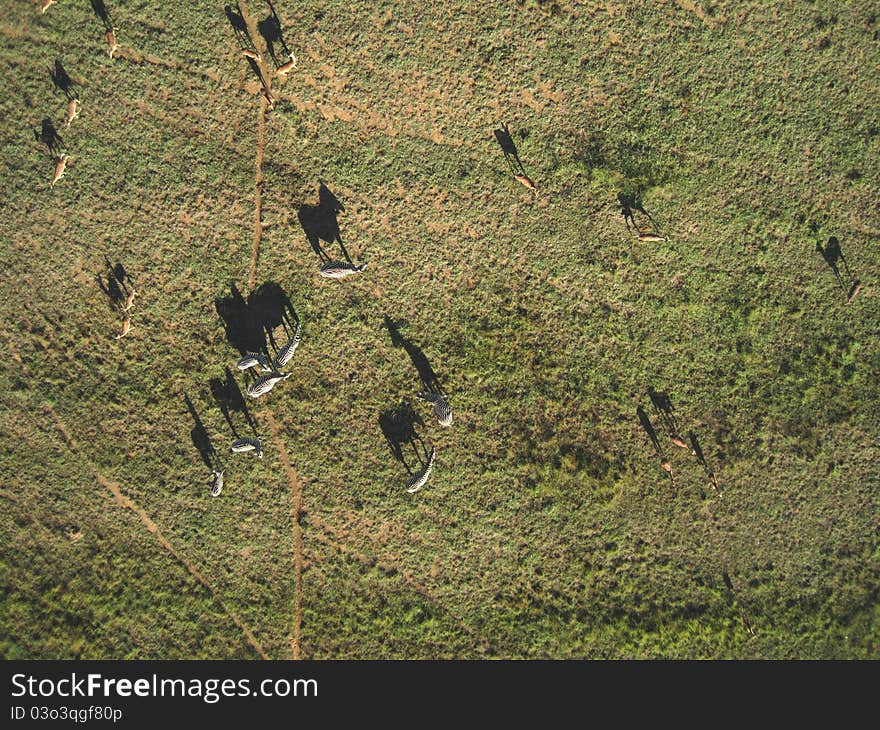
{"type": "Point", "coordinates": [441, 407]}
{"type": "Point", "coordinates": [286, 352]}
{"type": "Point", "coordinates": [216, 482]}
{"type": "Point", "coordinates": [265, 383]}
{"type": "Point", "coordinates": [242, 446]}
{"type": "Point", "coordinates": [340, 269]}
{"type": "Point", "coordinates": [417, 480]}
{"type": "Point", "coordinates": [251, 359]}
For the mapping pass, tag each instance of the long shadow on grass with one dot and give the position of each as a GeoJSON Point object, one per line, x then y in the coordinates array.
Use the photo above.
{"type": "Point", "coordinates": [250, 324]}
{"type": "Point", "coordinates": [101, 11]}
{"type": "Point", "coordinates": [832, 253]}
{"type": "Point", "coordinates": [430, 381]}
{"type": "Point", "coordinates": [270, 29]}
{"type": "Point", "coordinates": [320, 222]}
{"type": "Point", "coordinates": [398, 425]}
{"type": "Point", "coordinates": [201, 440]}
{"type": "Point", "coordinates": [116, 289]}
{"type": "Point", "coordinates": [62, 80]}
{"type": "Point", "coordinates": [230, 400]}
{"type": "Point", "coordinates": [239, 26]}
{"type": "Point", "coordinates": [49, 136]}
{"type": "Point", "coordinates": [630, 204]}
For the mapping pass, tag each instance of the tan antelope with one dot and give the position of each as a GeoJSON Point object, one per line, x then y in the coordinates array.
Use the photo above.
{"type": "Point", "coordinates": [110, 37]}
{"type": "Point", "coordinates": [525, 180]}
{"type": "Point", "coordinates": [649, 236]}
{"type": "Point", "coordinates": [59, 168]}
{"type": "Point", "coordinates": [44, 6]}
{"type": "Point", "coordinates": [681, 444]}
{"type": "Point", "coordinates": [253, 55]}
{"type": "Point", "coordinates": [126, 326]}
{"type": "Point", "coordinates": [72, 111]}
{"type": "Point", "coordinates": [667, 467]}
{"type": "Point", "coordinates": [286, 68]}
{"type": "Point", "coordinates": [129, 300]}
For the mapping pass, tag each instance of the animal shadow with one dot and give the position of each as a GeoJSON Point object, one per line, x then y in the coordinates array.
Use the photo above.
{"type": "Point", "coordinates": [832, 253]}
{"type": "Point", "coordinates": [645, 421]}
{"type": "Point", "coordinates": [101, 11]}
{"type": "Point", "coordinates": [230, 400]}
{"type": "Point", "coordinates": [116, 289]}
{"type": "Point", "coordinates": [697, 451]}
{"type": "Point", "coordinates": [62, 80]}
{"type": "Point", "coordinates": [239, 26]}
{"type": "Point", "coordinates": [505, 140]}
{"type": "Point", "coordinates": [49, 136]}
{"type": "Point", "coordinates": [630, 204]}
{"type": "Point", "coordinates": [320, 222]}
{"type": "Point", "coordinates": [398, 425]}
{"type": "Point", "coordinates": [270, 29]}
{"type": "Point", "coordinates": [200, 438]}
{"type": "Point", "coordinates": [250, 325]}
{"type": "Point", "coordinates": [430, 381]}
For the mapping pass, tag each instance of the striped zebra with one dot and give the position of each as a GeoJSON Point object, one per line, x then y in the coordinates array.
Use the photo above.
{"type": "Point", "coordinates": [216, 482]}
{"type": "Point", "coordinates": [242, 446]}
{"type": "Point", "coordinates": [340, 269]}
{"type": "Point", "coordinates": [417, 480]}
{"type": "Point", "coordinates": [253, 358]}
{"type": "Point", "coordinates": [286, 352]}
{"type": "Point", "coordinates": [441, 407]}
{"type": "Point", "coordinates": [265, 383]}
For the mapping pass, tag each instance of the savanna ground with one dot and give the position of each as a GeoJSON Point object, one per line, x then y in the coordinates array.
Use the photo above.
{"type": "Point", "coordinates": [548, 528]}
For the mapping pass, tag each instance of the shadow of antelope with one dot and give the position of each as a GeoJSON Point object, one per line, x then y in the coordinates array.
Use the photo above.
{"type": "Point", "coordinates": [62, 80]}
{"type": "Point", "coordinates": [49, 136]}
{"type": "Point", "coordinates": [832, 253]}
{"type": "Point", "coordinates": [270, 29]}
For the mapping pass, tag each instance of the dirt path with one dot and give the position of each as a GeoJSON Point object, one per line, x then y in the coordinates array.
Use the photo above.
{"type": "Point", "coordinates": [261, 142]}
{"type": "Point", "coordinates": [296, 487]}
{"type": "Point", "coordinates": [116, 490]}
{"type": "Point", "coordinates": [296, 492]}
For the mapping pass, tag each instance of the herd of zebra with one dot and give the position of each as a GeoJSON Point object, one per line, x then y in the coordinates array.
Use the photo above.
{"type": "Point", "coordinates": [272, 373]}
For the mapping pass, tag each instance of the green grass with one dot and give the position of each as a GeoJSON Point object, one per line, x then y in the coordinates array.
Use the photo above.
{"type": "Point", "coordinates": [548, 528]}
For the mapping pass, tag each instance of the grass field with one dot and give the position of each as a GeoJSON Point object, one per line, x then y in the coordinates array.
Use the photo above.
{"type": "Point", "coordinates": [548, 529]}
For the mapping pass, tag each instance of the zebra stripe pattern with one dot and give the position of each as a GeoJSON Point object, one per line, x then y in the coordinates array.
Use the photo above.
{"type": "Point", "coordinates": [242, 446]}
{"type": "Point", "coordinates": [251, 359]}
{"type": "Point", "coordinates": [216, 482]}
{"type": "Point", "coordinates": [265, 383]}
{"type": "Point", "coordinates": [340, 269]}
{"type": "Point", "coordinates": [441, 407]}
{"type": "Point", "coordinates": [417, 480]}
{"type": "Point", "coordinates": [286, 352]}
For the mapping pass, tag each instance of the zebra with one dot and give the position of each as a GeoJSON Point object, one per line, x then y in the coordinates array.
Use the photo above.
{"type": "Point", "coordinates": [339, 269]}
{"type": "Point", "coordinates": [265, 383]}
{"type": "Point", "coordinates": [286, 352]}
{"type": "Point", "coordinates": [441, 407]}
{"type": "Point", "coordinates": [251, 359]}
{"type": "Point", "coordinates": [417, 480]}
{"type": "Point", "coordinates": [242, 446]}
{"type": "Point", "coordinates": [216, 482]}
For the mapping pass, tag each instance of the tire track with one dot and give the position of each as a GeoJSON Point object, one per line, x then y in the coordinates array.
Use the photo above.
{"type": "Point", "coordinates": [116, 490]}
